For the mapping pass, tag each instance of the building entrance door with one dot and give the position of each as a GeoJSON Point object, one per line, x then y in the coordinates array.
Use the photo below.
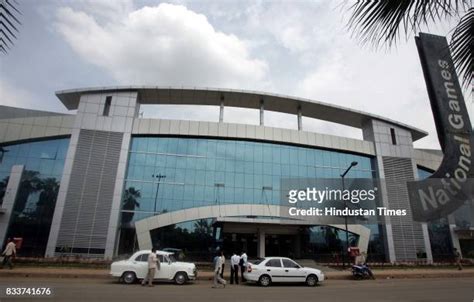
{"type": "Point", "coordinates": [280, 245]}
{"type": "Point", "coordinates": [238, 242]}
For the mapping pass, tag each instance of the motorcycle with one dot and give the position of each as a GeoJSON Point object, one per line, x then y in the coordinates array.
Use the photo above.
{"type": "Point", "coordinates": [362, 271]}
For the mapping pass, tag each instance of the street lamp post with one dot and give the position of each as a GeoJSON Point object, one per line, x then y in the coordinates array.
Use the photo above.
{"type": "Point", "coordinates": [353, 164]}
{"type": "Point", "coordinates": [159, 177]}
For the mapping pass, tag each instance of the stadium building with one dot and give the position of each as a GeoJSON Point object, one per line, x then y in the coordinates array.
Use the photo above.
{"type": "Point", "coordinates": [105, 181]}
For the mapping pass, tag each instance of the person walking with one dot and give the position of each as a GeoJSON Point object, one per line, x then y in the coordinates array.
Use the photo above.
{"type": "Point", "coordinates": [457, 257]}
{"type": "Point", "coordinates": [217, 270]}
{"type": "Point", "coordinates": [234, 268]}
{"type": "Point", "coordinates": [223, 264]}
{"type": "Point", "coordinates": [243, 264]}
{"type": "Point", "coordinates": [9, 253]}
{"type": "Point", "coordinates": [153, 265]}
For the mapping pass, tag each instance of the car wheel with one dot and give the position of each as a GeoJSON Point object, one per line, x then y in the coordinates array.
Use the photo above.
{"type": "Point", "coordinates": [129, 277]}
{"type": "Point", "coordinates": [180, 278]}
{"type": "Point", "coordinates": [311, 280]}
{"type": "Point", "coordinates": [265, 280]}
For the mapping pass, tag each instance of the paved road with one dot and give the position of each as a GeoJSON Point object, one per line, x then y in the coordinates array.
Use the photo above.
{"type": "Point", "coordinates": [458, 289]}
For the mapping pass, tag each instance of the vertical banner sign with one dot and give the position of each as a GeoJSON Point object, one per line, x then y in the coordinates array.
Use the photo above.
{"type": "Point", "coordinates": [452, 184]}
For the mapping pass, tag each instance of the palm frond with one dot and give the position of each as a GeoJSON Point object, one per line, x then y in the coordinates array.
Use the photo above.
{"type": "Point", "coordinates": [9, 23]}
{"type": "Point", "coordinates": [380, 22]}
{"type": "Point", "coordinates": [462, 45]}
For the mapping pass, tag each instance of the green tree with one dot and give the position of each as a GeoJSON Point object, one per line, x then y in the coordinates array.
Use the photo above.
{"type": "Point", "coordinates": [47, 199]}
{"type": "Point", "coordinates": [332, 239]}
{"type": "Point", "coordinates": [30, 183]}
{"type": "Point", "coordinates": [202, 226]}
{"type": "Point", "coordinates": [130, 202]}
{"type": "Point", "coordinates": [3, 188]}
{"type": "Point", "coordinates": [380, 22]}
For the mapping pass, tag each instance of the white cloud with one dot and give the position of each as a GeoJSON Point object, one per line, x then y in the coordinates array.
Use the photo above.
{"type": "Point", "coordinates": [306, 49]}
{"type": "Point", "coordinates": [321, 61]}
{"type": "Point", "coordinates": [13, 96]}
{"type": "Point", "coordinates": [163, 45]}
{"type": "Point", "coordinates": [105, 10]}
{"type": "Point", "coordinates": [387, 84]}
{"type": "Point", "coordinates": [303, 29]}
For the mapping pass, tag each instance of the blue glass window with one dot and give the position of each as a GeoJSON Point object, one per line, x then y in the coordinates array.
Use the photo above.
{"type": "Point", "coordinates": [34, 206]}
{"type": "Point", "coordinates": [202, 172]}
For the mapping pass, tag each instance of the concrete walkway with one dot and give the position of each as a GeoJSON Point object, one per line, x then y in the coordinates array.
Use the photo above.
{"type": "Point", "coordinates": [47, 272]}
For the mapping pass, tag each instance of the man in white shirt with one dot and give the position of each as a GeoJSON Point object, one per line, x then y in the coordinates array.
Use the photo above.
{"type": "Point", "coordinates": [218, 269]}
{"type": "Point", "coordinates": [153, 265]}
{"type": "Point", "coordinates": [243, 264]}
{"type": "Point", "coordinates": [9, 253]}
{"type": "Point", "coordinates": [234, 268]}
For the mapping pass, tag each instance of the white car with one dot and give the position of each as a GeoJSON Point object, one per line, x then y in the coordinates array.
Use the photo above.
{"type": "Point", "coordinates": [280, 269]}
{"type": "Point", "coordinates": [136, 268]}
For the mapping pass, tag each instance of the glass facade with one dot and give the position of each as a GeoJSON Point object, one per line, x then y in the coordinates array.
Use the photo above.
{"type": "Point", "coordinates": [167, 174]}
{"type": "Point", "coordinates": [196, 236]}
{"type": "Point", "coordinates": [34, 205]}
{"type": "Point", "coordinates": [325, 243]}
{"type": "Point", "coordinates": [201, 172]}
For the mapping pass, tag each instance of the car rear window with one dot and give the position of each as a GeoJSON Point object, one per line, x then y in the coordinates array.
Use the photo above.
{"type": "Point", "coordinates": [257, 262]}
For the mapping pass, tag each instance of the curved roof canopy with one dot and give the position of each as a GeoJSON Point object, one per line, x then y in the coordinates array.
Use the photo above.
{"type": "Point", "coordinates": [238, 98]}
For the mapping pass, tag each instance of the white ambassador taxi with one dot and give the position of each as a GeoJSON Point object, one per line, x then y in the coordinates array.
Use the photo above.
{"type": "Point", "coordinates": [280, 269]}
{"type": "Point", "coordinates": [136, 267]}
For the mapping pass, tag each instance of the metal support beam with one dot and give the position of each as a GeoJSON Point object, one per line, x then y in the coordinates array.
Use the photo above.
{"type": "Point", "coordinates": [221, 111]}
{"type": "Point", "coordinates": [261, 243]}
{"type": "Point", "coordinates": [261, 112]}
{"type": "Point", "coordinates": [300, 119]}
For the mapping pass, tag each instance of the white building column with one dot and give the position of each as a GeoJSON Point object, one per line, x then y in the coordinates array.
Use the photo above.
{"type": "Point", "coordinates": [9, 199]}
{"type": "Point", "coordinates": [452, 232]}
{"type": "Point", "coordinates": [261, 243]}
{"type": "Point", "coordinates": [112, 114]}
{"type": "Point", "coordinates": [426, 240]}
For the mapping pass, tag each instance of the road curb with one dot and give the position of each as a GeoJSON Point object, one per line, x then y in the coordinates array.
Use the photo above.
{"type": "Point", "coordinates": [380, 276]}
{"type": "Point", "coordinates": [53, 275]}
{"type": "Point", "coordinates": [208, 276]}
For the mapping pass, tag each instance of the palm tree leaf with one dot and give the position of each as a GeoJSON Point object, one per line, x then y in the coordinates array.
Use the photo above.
{"type": "Point", "coordinates": [380, 22]}
{"type": "Point", "coordinates": [462, 45]}
{"type": "Point", "coordinates": [8, 23]}
{"type": "Point", "coordinates": [6, 37]}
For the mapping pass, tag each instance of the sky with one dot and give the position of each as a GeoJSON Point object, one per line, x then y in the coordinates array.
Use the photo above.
{"type": "Point", "coordinates": [296, 48]}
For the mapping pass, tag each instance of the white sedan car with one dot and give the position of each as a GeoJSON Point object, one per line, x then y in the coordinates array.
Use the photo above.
{"type": "Point", "coordinates": [136, 267]}
{"type": "Point", "coordinates": [279, 269]}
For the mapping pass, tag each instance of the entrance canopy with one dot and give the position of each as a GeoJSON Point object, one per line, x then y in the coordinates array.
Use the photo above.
{"type": "Point", "coordinates": [260, 218]}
